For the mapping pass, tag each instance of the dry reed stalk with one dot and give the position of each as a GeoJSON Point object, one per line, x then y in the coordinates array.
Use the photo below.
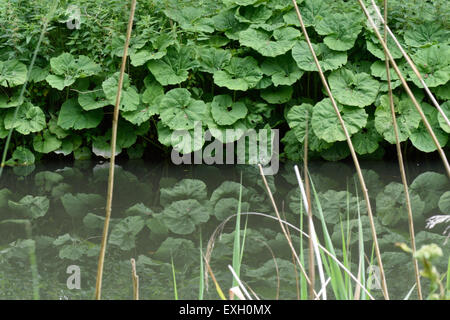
{"type": "Point", "coordinates": [407, 88]}
{"type": "Point", "coordinates": [400, 161]}
{"type": "Point", "coordinates": [410, 62]}
{"type": "Point", "coordinates": [135, 278]}
{"type": "Point", "coordinates": [101, 259]}
{"type": "Point", "coordinates": [352, 151]}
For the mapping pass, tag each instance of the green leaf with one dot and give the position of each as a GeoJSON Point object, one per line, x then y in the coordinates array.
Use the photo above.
{"type": "Point", "coordinates": [129, 99]}
{"type": "Point", "coordinates": [341, 30]}
{"type": "Point", "coordinates": [46, 180]}
{"type": "Point", "coordinates": [182, 216]}
{"type": "Point", "coordinates": [444, 202]}
{"type": "Point", "coordinates": [352, 89]}
{"type": "Point", "coordinates": [212, 59]}
{"type": "Point", "coordinates": [29, 119]}
{"type": "Point", "coordinates": [253, 15]}
{"type": "Point", "coordinates": [180, 111]}
{"type": "Point", "coordinates": [277, 95]}
{"type": "Point", "coordinates": [225, 111]}
{"type": "Point", "coordinates": [151, 99]}
{"type": "Point", "coordinates": [21, 157]}
{"type": "Point", "coordinates": [72, 116]}
{"type": "Point", "coordinates": [12, 73]}
{"type": "Point", "coordinates": [326, 125]}
{"type": "Point", "coordinates": [93, 100]}
{"type": "Point", "coordinates": [77, 205]}
{"type": "Point", "coordinates": [375, 48]}
{"type": "Point", "coordinates": [430, 186]}
{"type": "Point", "coordinates": [366, 141]}
{"type": "Point", "coordinates": [139, 209]}
{"type": "Point", "coordinates": [328, 59]}
{"type": "Point", "coordinates": [174, 66]}
{"type": "Point", "coordinates": [183, 190]}
{"type": "Point", "coordinates": [407, 117]}
{"type": "Point", "coordinates": [259, 40]}
{"type": "Point", "coordinates": [67, 69]}
{"type": "Point", "coordinates": [298, 117]}
{"type": "Point", "coordinates": [241, 74]}
{"type": "Point", "coordinates": [391, 207]}
{"type": "Point", "coordinates": [282, 69]}
{"type": "Point", "coordinates": [225, 21]}
{"type": "Point", "coordinates": [313, 11]}
{"type": "Point", "coordinates": [420, 137]}
{"type": "Point", "coordinates": [433, 63]}
{"type": "Point", "coordinates": [426, 34]}
{"type": "Point", "coordinates": [227, 207]}
{"type": "Point", "coordinates": [124, 233]}
{"type": "Point", "coordinates": [446, 109]}
{"type": "Point", "coordinates": [190, 19]}
{"type": "Point", "coordinates": [46, 142]}
{"type": "Point", "coordinates": [101, 146]}
{"type": "Point", "coordinates": [31, 207]}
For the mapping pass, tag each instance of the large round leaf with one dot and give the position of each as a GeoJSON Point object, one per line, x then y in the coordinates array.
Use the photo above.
{"type": "Point", "coordinates": [352, 89]}
{"type": "Point", "coordinates": [129, 98]}
{"type": "Point", "coordinates": [299, 118]}
{"type": "Point", "coordinates": [420, 137]}
{"type": "Point", "coordinates": [46, 142]}
{"type": "Point", "coordinates": [182, 216]}
{"type": "Point", "coordinates": [179, 111]}
{"type": "Point", "coordinates": [446, 108]}
{"type": "Point", "coordinates": [225, 111]}
{"type": "Point", "coordinates": [240, 74]}
{"type": "Point", "coordinates": [124, 233]}
{"type": "Point", "coordinates": [183, 190]}
{"type": "Point", "coordinates": [328, 59]}
{"type": "Point", "coordinates": [12, 73]}
{"type": "Point", "coordinates": [282, 69]}
{"type": "Point", "coordinates": [326, 125]}
{"type": "Point", "coordinates": [72, 116]}
{"type": "Point", "coordinates": [29, 119]}
{"type": "Point", "coordinates": [433, 64]}
{"type": "Point", "coordinates": [260, 40]}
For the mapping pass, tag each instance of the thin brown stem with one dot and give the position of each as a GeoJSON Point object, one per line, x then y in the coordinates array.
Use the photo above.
{"type": "Point", "coordinates": [407, 88]}
{"type": "Point", "coordinates": [352, 151]}
{"type": "Point", "coordinates": [135, 279]}
{"type": "Point", "coordinates": [101, 259]}
{"type": "Point", "coordinates": [400, 160]}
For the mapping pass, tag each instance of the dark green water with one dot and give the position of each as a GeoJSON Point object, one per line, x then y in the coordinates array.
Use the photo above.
{"type": "Point", "coordinates": [163, 213]}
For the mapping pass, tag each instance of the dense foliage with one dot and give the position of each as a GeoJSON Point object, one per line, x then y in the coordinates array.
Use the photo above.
{"type": "Point", "coordinates": [230, 64]}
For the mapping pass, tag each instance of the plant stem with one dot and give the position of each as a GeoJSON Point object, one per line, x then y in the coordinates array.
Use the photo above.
{"type": "Point", "coordinates": [101, 260]}
{"type": "Point", "coordinates": [135, 278]}
{"type": "Point", "coordinates": [352, 151]}
{"type": "Point", "coordinates": [400, 161]}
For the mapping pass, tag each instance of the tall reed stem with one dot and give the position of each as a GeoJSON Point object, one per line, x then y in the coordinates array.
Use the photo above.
{"type": "Point", "coordinates": [400, 160]}
{"type": "Point", "coordinates": [352, 151]}
{"type": "Point", "coordinates": [101, 259]}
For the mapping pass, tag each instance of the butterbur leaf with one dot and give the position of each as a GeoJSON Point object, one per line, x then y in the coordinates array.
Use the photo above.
{"type": "Point", "coordinates": [328, 59]}
{"type": "Point", "coordinates": [93, 100]}
{"type": "Point", "coordinates": [179, 111]}
{"type": "Point", "coordinates": [366, 141]}
{"type": "Point", "coordinates": [212, 59]}
{"type": "Point", "coordinates": [46, 142]}
{"type": "Point", "coordinates": [407, 117]}
{"type": "Point", "coordinates": [259, 40]}
{"type": "Point", "coordinates": [225, 111]}
{"type": "Point", "coordinates": [298, 118]}
{"type": "Point", "coordinates": [391, 207]}
{"type": "Point", "coordinates": [174, 66]}
{"type": "Point", "coordinates": [139, 209]}
{"type": "Point", "coordinates": [420, 136]}
{"type": "Point", "coordinates": [29, 119]}
{"type": "Point", "coordinates": [282, 69]}
{"type": "Point", "coordinates": [240, 74]}
{"type": "Point", "coordinates": [313, 11]}
{"type": "Point", "coordinates": [446, 109]}
{"type": "Point", "coordinates": [101, 146]}
{"type": "Point", "coordinates": [226, 21]}
{"type": "Point", "coordinates": [239, 2]}
{"type": "Point", "coordinates": [426, 34]}
{"type": "Point", "coordinates": [181, 217]}
{"type": "Point", "coordinates": [433, 64]}
{"type": "Point", "coordinates": [227, 207]}
{"type": "Point", "coordinates": [29, 206]}
{"type": "Point", "coordinates": [251, 14]}
{"type": "Point", "coordinates": [352, 89]}
{"type": "Point", "coordinates": [224, 134]}
{"type": "Point", "coordinates": [183, 190]}
{"type": "Point", "coordinates": [444, 202]}
{"type": "Point", "coordinates": [66, 69]}
{"type": "Point", "coordinates": [326, 125]}
{"type": "Point", "coordinates": [72, 116]}
{"type": "Point", "coordinates": [21, 157]}
{"type": "Point", "coordinates": [124, 233]}
{"type": "Point", "coordinates": [12, 73]}
{"type": "Point", "coordinates": [190, 19]}
{"type": "Point", "coordinates": [340, 30]}
{"type": "Point", "coordinates": [430, 186]}
{"type": "Point", "coordinates": [129, 99]}
{"type": "Point", "coordinates": [76, 205]}
{"type": "Point", "coordinates": [375, 48]}
{"type": "Point", "coordinates": [277, 95]}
